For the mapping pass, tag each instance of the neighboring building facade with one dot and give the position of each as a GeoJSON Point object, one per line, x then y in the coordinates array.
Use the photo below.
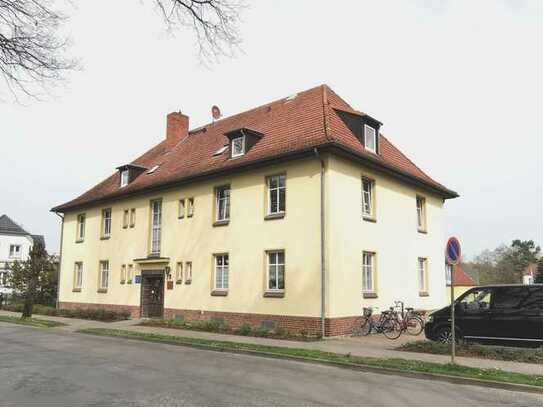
{"type": "Point", "coordinates": [15, 245]}
{"type": "Point", "coordinates": [290, 214]}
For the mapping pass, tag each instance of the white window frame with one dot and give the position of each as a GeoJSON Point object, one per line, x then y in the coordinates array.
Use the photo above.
{"type": "Point", "coordinates": [179, 272]}
{"type": "Point", "coordinates": [421, 213]}
{"type": "Point", "coordinates": [422, 274]}
{"type": "Point", "coordinates": [78, 275]}
{"type": "Point", "coordinates": [222, 202]}
{"type": "Point", "coordinates": [188, 272]}
{"type": "Point", "coordinates": [370, 131]}
{"type": "Point", "coordinates": [81, 220]}
{"type": "Point", "coordinates": [126, 217]}
{"type": "Point", "coordinates": [277, 192]}
{"type": "Point", "coordinates": [368, 198]}
{"type": "Point", "coordinates": [156, 226]}
{"type": "Point", "coordinates": [275, 267]}
{"type": "Point", "coordinates": [132, 217]}
{"type": "Point", "coordinates": [130, 274]}
{"type": "Point", "coordinates": [104, 275]}
{"type": "Point", "coordinates": [15, 251]}
{"type": "Point", "coordinates": [123, 273]}
{"type": "Point", "coordinates": [233, 142]}
{"type": "Point", "coordinates": [106, 222]}
{"type": "Point", "coordinates": [221, 272]}
{"type": "Point", "coordinates": [190, 207]}
{"type": "Point", "coordinates": [125, 178]}
{"type": "Point", "coordinates": [368, 272]}
{"type": "Point", "coordinates": [181, 209]}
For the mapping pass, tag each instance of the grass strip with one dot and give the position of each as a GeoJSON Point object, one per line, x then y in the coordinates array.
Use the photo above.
{"type": "Point", "coordinates": [400, 365]}
{"type": "Point", "coordinates": [30, 321]}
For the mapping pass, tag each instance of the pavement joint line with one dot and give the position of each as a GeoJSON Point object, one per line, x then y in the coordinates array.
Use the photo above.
{"type": "Point", "coordinates": [345, 365]}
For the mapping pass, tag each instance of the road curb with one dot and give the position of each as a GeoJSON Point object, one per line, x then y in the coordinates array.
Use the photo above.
{"type": "Point", "coordinates": [344, 365]}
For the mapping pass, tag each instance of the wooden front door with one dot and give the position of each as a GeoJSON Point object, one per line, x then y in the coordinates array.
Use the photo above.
{"type": "Point", "coordinates": [152, 294]}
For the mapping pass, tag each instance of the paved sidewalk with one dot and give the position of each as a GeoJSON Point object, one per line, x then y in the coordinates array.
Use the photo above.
{"type": "Point", "coordinates": [372, 346]}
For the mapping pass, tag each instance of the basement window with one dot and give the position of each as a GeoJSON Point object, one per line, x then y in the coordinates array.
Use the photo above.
{"type": "Point", "coordinates": [238, 146]}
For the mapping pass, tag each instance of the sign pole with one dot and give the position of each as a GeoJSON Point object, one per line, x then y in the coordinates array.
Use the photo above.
{"type": "Point", "coordinates": [453, 334]}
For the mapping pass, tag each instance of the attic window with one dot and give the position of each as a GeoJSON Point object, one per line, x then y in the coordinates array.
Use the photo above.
{"type": "Point", "coordinates": [238, 146]}
{"type": "Point", "coordinates": [153, 169]}
{"type": "Point", "coordinates": [124, 178]}
{"type": "Point", "coordinates": [370, 138]}
{"type": "Point", "coordinates": [220, 150]}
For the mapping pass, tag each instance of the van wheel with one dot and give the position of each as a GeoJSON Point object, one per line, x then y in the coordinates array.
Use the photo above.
{"type": "Point", "coordinates": [444, 335]}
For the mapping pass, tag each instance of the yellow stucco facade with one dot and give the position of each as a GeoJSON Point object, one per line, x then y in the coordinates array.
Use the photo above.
{"type": "Point", "coordinates": [392, 236]}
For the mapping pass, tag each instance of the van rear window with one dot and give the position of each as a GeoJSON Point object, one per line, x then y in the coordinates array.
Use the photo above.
{"type": "Point", "coordinates": [511, 297]}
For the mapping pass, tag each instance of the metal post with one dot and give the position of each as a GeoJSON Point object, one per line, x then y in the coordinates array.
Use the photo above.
{"type": "Point", "coordinates": [453, 335]}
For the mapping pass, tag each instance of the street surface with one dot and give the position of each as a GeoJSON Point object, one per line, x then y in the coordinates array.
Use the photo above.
{"type": "Point", "coordinates": [40, 367]}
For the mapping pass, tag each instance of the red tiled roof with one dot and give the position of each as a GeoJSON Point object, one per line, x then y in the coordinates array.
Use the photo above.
{"type": "Point", "coordinates": [288, 126]}
{"type": "Point", "coordinates": [461, 278]}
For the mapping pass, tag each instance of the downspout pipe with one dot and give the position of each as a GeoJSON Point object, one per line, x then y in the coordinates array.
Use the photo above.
{"type": "Point", "coordinates": [60, 258]}
{"type": "Point", "coordinates": [323, 246]}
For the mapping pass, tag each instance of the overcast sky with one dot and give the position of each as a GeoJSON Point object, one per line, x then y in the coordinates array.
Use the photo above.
{"type": "Point", "coordinates": [457, 84]}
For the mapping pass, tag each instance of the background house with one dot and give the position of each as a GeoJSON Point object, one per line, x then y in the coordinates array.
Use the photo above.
{"type": "Point", "coordinates": [462, 282]}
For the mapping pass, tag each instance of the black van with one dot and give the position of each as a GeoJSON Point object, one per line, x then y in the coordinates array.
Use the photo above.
{"type": "Point", "coordinates": [501, 313]}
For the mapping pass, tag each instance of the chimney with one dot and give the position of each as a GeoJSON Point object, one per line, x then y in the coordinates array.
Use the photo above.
{"type": "Point", "coordinates": [177, 127]}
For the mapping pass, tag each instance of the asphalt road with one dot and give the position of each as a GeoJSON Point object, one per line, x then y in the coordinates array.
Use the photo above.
{"type": "Point", "coordinates": [40, 367]}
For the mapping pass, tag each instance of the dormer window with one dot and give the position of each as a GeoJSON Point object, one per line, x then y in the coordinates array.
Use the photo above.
{"type": "Point", "coordinates": [238, 146]}
{"type": "Point", "coordinates": [370, 138]}
{"type": "Point", "coordinates": [124, 178]}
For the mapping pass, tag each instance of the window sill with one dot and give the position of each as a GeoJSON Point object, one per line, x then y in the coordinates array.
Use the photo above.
{"type": "Point", "coordinates": [188, 282]}
{"type": "Point", "coordinates": [132, 226]}
{"type": "Point", "coordinates": [190, 216]}
{"type": "Point", "coordinates": [369, 219]}
{"type": "Point", "coordinates": [80, 240]}
{"type": "Point", "coordinates": [424, 294]}
{"type": "Point", "coordinates": [423, 231]}
{"type": "Point", "coordinates": [102, 290]}
{"type": "Point", "coordinates": [219, 293]}
{"type": "Point", "coordinates": [274, 294]}
{"type": "Point", "coordinates": [273, 216]}
{"type": "Point", "coordinates": [104, 237]}
{"type": "Point", "coordinates": [221, 222]}
{"type": "Point", "coordinates": [76, 290]}
{"type": "Point", "coordinates": [179, 282]}
{"type": "Point", "coordinates": [125, 226]}
{"type": "Point", "coordinates": [129, 282]}
{"type": "Point", "coordinates": [181, 217]}
{"type": "Point", "coordinates": [369, 295]}
{"type": "Point", "coordinates": [122, 281]}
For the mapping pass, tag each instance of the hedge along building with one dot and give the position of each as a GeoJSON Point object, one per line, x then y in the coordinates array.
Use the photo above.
{"type": "Point", "coordinates": [296, 214]}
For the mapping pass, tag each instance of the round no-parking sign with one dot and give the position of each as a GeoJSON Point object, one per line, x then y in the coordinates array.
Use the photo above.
{"type": "Point", "coordinates": [453, 252]}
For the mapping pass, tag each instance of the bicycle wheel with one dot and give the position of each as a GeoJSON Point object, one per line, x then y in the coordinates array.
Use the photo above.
{"type": "Point", "coordinates": [392, 329]}
{"type": "Point", "coordinates": [414, 326]}
{"type": "Point", "coordinates": [365, 327]}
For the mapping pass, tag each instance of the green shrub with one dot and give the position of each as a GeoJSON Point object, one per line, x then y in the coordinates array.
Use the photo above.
{"type": "Point", "coordinates": [97, 314]}
{"type": "Point", "coordinates": [245, 329]}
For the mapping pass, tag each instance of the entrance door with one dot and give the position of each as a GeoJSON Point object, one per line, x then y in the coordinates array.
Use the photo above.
{"type": "Point", "coordinates": [152, 294]}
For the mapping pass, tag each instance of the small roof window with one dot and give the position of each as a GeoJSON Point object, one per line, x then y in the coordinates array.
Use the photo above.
{"type": "Point", "coordinates": [238, 146]}
{"type": "Point", "coordinates": [125, 178]}
{"type": "Point", "coordinates": [370, 138]}
{"type": "Point", "coordinates": [153, 169]}
{"type": "Point", "coordinates": [220, 150]}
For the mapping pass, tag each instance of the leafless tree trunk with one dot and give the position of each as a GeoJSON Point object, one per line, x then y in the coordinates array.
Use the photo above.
{"type": "Point", "coordinates": [214, 23]}
{"type": "Point", "coordinates": [32, 51]}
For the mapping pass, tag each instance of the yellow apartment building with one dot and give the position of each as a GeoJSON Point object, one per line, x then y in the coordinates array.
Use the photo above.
{"type": "Point", "coordinates": [296, 214]}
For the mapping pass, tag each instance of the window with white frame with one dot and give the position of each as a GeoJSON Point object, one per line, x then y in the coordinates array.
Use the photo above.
{"type": "Point", "coordinates": [277, 191]}
{"type": "Point", "coordinates": [422, 272]}
{"type": "Point", "coordinates": [238, 146]}
{"type": "Point", "coordinates": [179, 273]}
{"type": "Point", "coordinates": [222, 203]}
{"type": "Point", "coordinates": [190, 207]}
{"type": "Point", "coordinates": [370, 138]}
{"type": "Point", "coordinates": [124, 178]}
{"type": "Point", "coordinates": [448, 273]}
{"type": "Point", "coordinates": [14, 251]}
{"type": "Point", "coordinates": [188, 272]}
{"type": "Point", "coordinates": [123, 273]}
{"type": "Point", "coordinates": [126, 217]}
{"type": "Point", "coordinates": [104, 275]}
{"type": "Point", "coordinates": [181, 213]}
{"type": "Point", "coordinates": [221, 272]}
{"type": "Point", "coordinates": [130, 274]}
{"type": "Point", "coordinates": [421, 213]}
{"type": "Point", "coordinates": [156, 226]}
{"type": "Point", "coordinates": [368, 188]}
{"type": "Point", "coordinates": [78, 275]}
{"type": "Point", "coordinates": [368, 272]}
{"type": "Point", "coordinates": [132, 217]}
{"type": "Point", "coordinates": [106, 222]}
{"type": "Point", "coordinates": [276, 270]}
{"type": "Point", "coordinates": [81, 227]}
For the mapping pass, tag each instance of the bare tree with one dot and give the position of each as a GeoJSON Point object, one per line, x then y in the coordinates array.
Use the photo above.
{"type": "Point", "coordinates": [32, 50]}
{"type": "Point", "coordinates": [214, 23]}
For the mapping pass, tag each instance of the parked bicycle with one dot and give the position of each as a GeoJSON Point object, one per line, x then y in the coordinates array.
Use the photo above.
{"type": "Point", "coordinates": [386, 324]}
{"type": "Point", "coordinates": [410, 321]}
